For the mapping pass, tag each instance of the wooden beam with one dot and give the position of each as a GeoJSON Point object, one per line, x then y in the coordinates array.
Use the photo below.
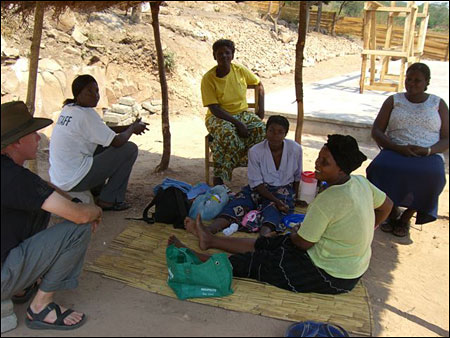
{"type": "Point", "coordinates": [392, 9]}
{"type": "Point", "coordinates": [385, 53]}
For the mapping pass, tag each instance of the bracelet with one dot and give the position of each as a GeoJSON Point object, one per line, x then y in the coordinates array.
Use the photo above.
{"type": "Point", "coordinates": [429, 151]}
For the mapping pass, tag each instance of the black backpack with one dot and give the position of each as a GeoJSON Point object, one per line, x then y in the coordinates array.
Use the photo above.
{"type": "Point", "coordinates": [171, 207]}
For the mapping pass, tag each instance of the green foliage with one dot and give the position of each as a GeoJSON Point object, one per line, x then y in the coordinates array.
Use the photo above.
{"type": "Point", "coordinates": [439, 12]}
{"type": "Point", "coordinates": [169, 60]}
{"type": "Point", "coordinates": [439, 16]}
{"type": "Point", "coordinates": [350, 8]}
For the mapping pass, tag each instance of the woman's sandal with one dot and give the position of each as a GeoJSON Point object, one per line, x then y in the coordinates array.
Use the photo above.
{"type": "Point", "coordinates": [388, 225]}
{"type": "Point", "coordinates": [28, 293]}
{"type": "Point", "coordinates": [37, 321]}
{"type": "Point", "coordinates": [117, 206]}
{"type": "Point", "coordinates": [401, 229]}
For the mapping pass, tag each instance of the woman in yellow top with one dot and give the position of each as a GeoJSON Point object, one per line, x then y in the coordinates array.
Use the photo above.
{"type": "Point", "coordinates": [233, 129]}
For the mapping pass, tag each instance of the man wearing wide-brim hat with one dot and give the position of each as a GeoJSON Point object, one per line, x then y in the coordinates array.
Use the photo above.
{"type": "Point", "coordinates": [31, 252]}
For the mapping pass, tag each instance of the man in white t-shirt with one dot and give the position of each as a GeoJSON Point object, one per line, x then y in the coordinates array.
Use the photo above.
{"type": "Point", "coordinates": [85, 152]}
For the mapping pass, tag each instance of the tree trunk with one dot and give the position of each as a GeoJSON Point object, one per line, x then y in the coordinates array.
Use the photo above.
{"type": "Point", "coordinates": [336, 18]}
{"type": "Point", "coordinates": [319, 16]}
{"type": "Point", "coordinates": [277, 17]}
{"type": "Point", "coordinates": [34, 57]}
{"type": "Point", "coordinates": [268, 11]}
{"type": "Point", "coordinates": [302, 26]}
{"type": "Point", "coordinates": [164, 92]}
{"type": "Point", "coordinates": [307, 13]}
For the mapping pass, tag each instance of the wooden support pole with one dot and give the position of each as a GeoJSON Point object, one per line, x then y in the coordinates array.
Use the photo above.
{"type": "Point", "coordinates": [34, 58]}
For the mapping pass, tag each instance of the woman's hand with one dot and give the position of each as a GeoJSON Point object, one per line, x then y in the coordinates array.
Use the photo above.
{"type": "Point", "coordinates": [139, 127]}
{"type": "Point", "coordinates": [408, 150]}
{"type": "Point", "coordinates": [281, 206]}
{"type": "Point", "coordinates": [241, 129]}
{"type": "Point", "coordinates": [420, 151]}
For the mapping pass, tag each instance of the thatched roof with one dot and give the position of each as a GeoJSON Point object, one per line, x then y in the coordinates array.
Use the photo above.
{"type": "Point", "coordinates": [26, 8]}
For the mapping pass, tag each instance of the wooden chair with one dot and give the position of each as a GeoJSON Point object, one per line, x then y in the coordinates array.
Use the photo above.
{"type": "Point", "coordinates": [208, 138]}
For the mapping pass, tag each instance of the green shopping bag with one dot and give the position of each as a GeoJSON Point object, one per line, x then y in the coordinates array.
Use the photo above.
{"type": "Point", "coordinates": [191, 278]}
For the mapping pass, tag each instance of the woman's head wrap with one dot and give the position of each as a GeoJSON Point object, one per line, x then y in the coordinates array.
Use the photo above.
{"type": "Point", "coordinates": [345, 151]}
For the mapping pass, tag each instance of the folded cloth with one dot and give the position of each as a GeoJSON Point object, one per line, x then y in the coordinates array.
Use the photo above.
{"type": "Point", "coordinates": [198, 189]}
{"type": "Point", "coordinates": [170, 182]}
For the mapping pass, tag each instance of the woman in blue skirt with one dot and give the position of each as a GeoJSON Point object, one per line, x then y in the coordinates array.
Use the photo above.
{"type": "Point", "coordinates": [412, 131]}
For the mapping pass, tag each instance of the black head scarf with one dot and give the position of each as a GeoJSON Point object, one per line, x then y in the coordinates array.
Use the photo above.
{"type": "Point", "coordinates": [345, 151]}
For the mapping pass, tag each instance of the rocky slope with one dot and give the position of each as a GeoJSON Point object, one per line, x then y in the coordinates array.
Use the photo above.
{"type": "Point", "coordinates": [121, 55]}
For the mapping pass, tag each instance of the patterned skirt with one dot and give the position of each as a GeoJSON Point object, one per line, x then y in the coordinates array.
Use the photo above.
{"type": "Point", "coordinates": [229, 150]}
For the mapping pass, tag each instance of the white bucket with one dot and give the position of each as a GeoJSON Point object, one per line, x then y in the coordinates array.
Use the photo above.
{"type": "Point", "coordinates": [308, 187]}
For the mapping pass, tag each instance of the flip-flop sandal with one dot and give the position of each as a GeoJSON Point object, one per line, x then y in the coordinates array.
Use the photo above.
{"type": "Point", "coordinates": [400, 229]}
{"type": "Point", "coordinates": [29, 292]}
{"type": "Point", "coordinates": [37, 321]}
{"type": "Point", "coordinates": [118, 206]}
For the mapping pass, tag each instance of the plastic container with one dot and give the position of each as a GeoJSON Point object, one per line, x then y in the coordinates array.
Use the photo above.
{"type": "Point", "coordinates": [308, 186]}
{"type": "Point", "coordinates": [293, 220]}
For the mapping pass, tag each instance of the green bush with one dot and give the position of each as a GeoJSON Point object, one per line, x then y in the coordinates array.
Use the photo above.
{"type": "Point", "coordinates": [169, 60]}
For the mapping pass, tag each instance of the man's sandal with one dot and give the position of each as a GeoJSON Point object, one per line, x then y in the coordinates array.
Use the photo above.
{"type": "Point", "coordinates": [37, 321]}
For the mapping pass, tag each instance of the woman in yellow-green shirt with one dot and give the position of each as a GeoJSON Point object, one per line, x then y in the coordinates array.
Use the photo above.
{"type": "Point", "coordinates": [332, 249]}
{"type": "Point", "coordinates": [233, 129]}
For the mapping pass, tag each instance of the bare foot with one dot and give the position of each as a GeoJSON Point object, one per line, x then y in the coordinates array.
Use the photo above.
{"type": "Point", "coordinates": [204, 236]}
{"type": "Point", "coordinates": [189, 225]}
{"type": "Point", "coordinates": [175, 241]}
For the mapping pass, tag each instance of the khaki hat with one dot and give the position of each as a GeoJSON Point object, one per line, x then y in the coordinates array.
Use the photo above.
{"type": "Point", "coordinates": [17, 122]}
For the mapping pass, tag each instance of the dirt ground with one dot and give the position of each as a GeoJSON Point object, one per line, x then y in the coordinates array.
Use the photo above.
{"type": "Point", "coordinates": [407, 281]}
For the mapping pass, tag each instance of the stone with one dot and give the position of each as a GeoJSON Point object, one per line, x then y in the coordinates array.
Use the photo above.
{"type": "Point", "coordinates": [136, 108]}
{"type": "Point", "coordinates": [121, 109]}
{"type": "Point", "coordinates": [10, 82]}
{"type": "Point", "coordinates": [9, 319]}
{"type": "Point", "coordinates": [66, 21]}
{"type": "Point", "coordinates": [4, 45]}
{"type": "Point", "coordinates": [127, 122]}
{"type": "Point", "coordinates": [110, 117]}
{"type": "Point", "coordinates": [52, 33]}
{"type": "Point", "coordinates": [149, 107]}
{"type": "Point", "coordinates": [49, 65]}
{"type": "Point", "coordinates": [72, 51]}
{"type": "Point", "coordinates": [78, 36]}
{"type": "Point", "coordinates": [12, 53]}
{"type": "Point", "coordinates": [127, 101]}
{"type": "Point", "coordinates": [286, 37]}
